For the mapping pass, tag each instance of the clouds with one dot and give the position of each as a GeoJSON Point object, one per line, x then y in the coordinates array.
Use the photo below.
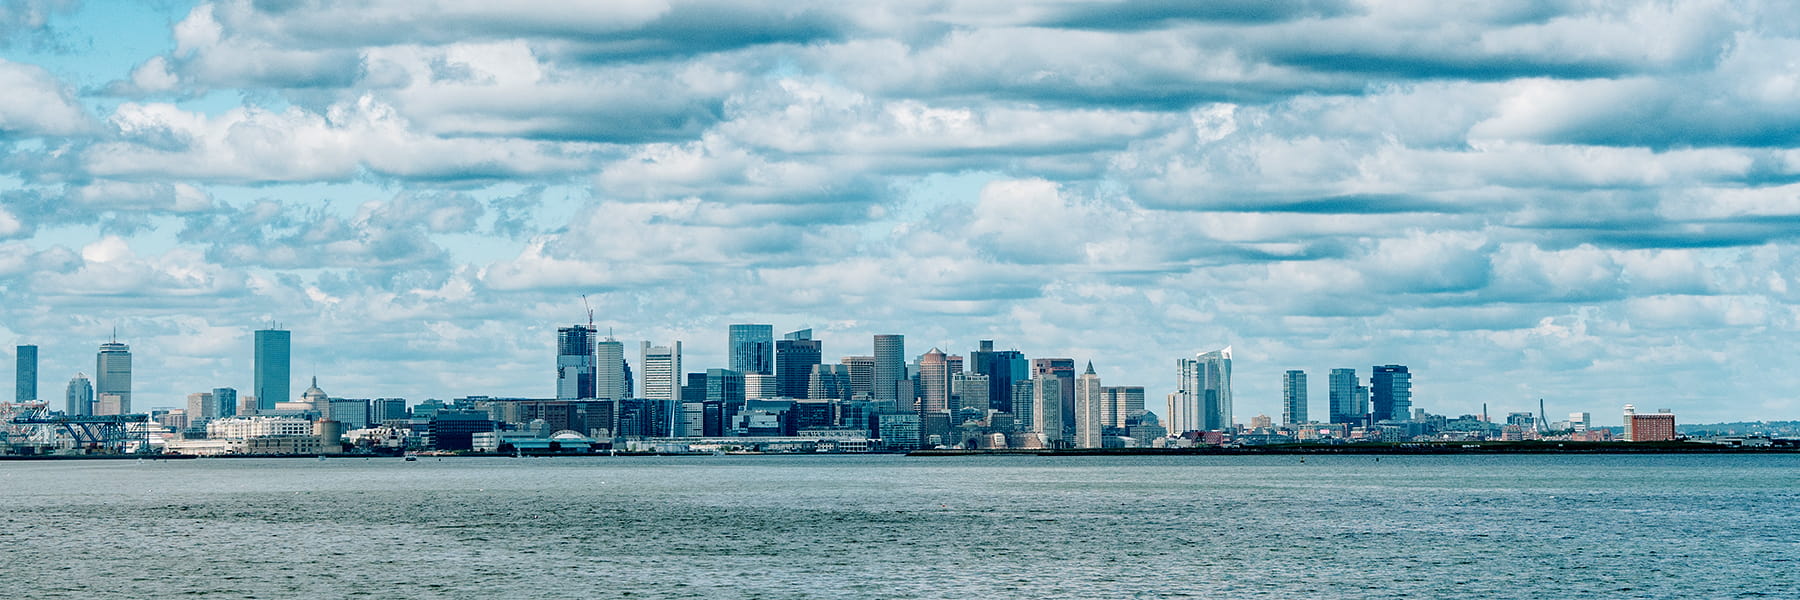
{"type": "Point", "coordinates": [1515, 199]}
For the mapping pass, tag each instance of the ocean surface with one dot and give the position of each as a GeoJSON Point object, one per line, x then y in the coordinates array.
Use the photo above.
{"type": "Point", "coordinates": [1675, 526]}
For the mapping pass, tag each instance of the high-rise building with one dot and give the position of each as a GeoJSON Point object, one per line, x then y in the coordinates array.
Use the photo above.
{"type": "Point", "coordinates": [227, 399]}
{"type": "Point", "coordinates": [752, 349]}
{"type": "Point", "coordinates": [112, 377]}
{"type": "Point", "coordinates": [1063, 369]}
{"type": "Point", "coordinates": [1121, 405]}
{"type": "Point", "coordinates": [969, 391]}
{"type": "Point", "coordinates": [385, 409]}
{"type": "Point", "coordinates": [796, 353]}
{"type": "Point", "coordinates": [575, 369]}
{"type": "Point", "coordinates": [1643, 427]}
{"type": "Point", "coordinates": [272, 374]}
{"type": "Point", "coordinates": [1293, 398]}
{"type": "Point", "coordinates": [202, 407]}
{"type": "Point", "coordinates": [760, 387]}
{"type": "Point", "coordinates": [1202, 398]}
{"type": "Point", "coordinates": [80, 397]}
{"type": "Point", "coordinates": [1344, 405]}
{"type": "Point", "coordinates": [862, 376]}
{"type": "Point", "coordinates": [1580, 421]}
{"type": "Point", "coordinates": [662, 371]}
{"type": "Point", "coordinates": [26, 374]}
{"type": "Point", "coordinates": [1002, 368]}
{"type": "Point", "coordinates": [1023, 404]}
{"type": "Point", "coordinates": [890, 368]}
{"type": "Point", "coordinates": [1390, 390]}
{"type": "Point", "coordinates": [934, 381]}
{"type": "Point", "coordinates": [612, 380]}
{"type": "Point", "coordinates": [1046, 407]}
{"type": "Point", "coordinates": [1089, 423]}
{"type": "Point", "coordinates": [725, 386]}
{"type": "Point", "coordinates": [828, 382]}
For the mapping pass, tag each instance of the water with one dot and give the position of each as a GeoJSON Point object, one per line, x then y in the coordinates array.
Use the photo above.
{"type": "Point", "coordinates": [894, 527]}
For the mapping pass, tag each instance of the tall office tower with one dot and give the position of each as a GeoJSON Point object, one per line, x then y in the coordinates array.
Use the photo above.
{"type": "Point", "coordinates": [1344, 408]}
{"type": "Point", "coordinates": [890, 367]}
{"type": "Point", "coordinates": [1002, 367]}
{"type": "Point", "coordinates": [80, 397]}
{"type": "Point", "coordinates": [760, 387]}
{"type": "Point", "coordinates": [934, 381]}
{"type": "Point", "coordinates": [271, 376]}
{"type": "Point", "coordinates": [953, 364]}
{"type": "Point", "coordinates": [1088, 417]}
{"type": "Point", "coordinates": [726, 387]}
{"type": "Point", "coordinates": [112, 376]}
{"type": "Point", "coordinates": [1202, 399]}
{"type": "Point", "coordinates": [26, 374]}
{"type": "Point", "coordinates": [1390, 390]}
{"type": "Point", "coordinates": [752, 349]}
{"type": "Point", "coordinates": [969, 391]}
{"type": "Point", "coordinates": [1361, 400]}
{"type": "Point", "coordinates": [201, 407]}
{"type": "Point", "coordinates": [862, 376]}
{"type": "Point", "coordinates": [1046, 408]}
{"type": "Point", "coordinates": [575, 362]}
{"type": "Point", "coordinates": [1293, 398]}
{"type": "Point", "coordinates": [1064, 370]}
{"type": "Point", "coordinates": [227, 399]}
{"type": "Point", "coordinates": [1024, 393]}
{"type": "Point", "coordinates": [611, 382]}
{"type": "Point", "coordinates": [662, 371]}
{"type": "Point", "coordinates": [796, 353]}
{"type": "Point", "coordinates": [828, 382]}
{"type": "Point", "coordinates": [1121, 405]}
{"type": "Point", "coordinates": [383, 409]}
{"type": "Point", "coordinates": [1181, 410]}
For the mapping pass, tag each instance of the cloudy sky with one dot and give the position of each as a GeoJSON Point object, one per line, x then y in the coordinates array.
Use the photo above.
{"type": "Point", "coordinates": [1595, 203]}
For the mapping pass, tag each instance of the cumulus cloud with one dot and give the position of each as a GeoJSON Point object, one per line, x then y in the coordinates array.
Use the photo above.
{"type": "Point", "coordinates": [36, 103]}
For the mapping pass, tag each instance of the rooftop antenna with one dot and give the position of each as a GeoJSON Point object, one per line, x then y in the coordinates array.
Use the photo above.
{"type": "Point", "coordinates": [590, 312]}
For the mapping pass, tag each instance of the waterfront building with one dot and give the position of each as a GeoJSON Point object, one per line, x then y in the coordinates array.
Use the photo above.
{"type": "Point", "coordinates": [386, 409]}
{"type": "Point", "coordinates": [1649, 427]}
{"type": "Point", "coordinates": [612, 377]}
{"type": "Point", "coordinates": [662, 371]}
{"type": "Point", "coordinates": [901, 432]}
{"type": "Point", "coordinates": [202, 407]}
{"type": "Point", "coordinates": [575, 366]}
{"type": "Point", "coordinates": [1390, 390]}
{"type": "Point", "coordinates": [1293, 398]}
{"type": "Point", "coordinates": [1063, 369]}
{"type": "Point", "coordinates": [969, 391]}
{"type": "Point", "coordinates": [353, 413]}
{"type": "Point", "coordinates": [238, 428]}
{"type": "Point", "coordinates": [889, 368]}
{"type": "Point", "coordinates": [1202, 399]}
{"type": "Point", "coordinates": [1089, 423]}
{"type": "Point", "coordinates": [271, 373]}
{"type": "Point", "coordinates": [25, 374]}
{"type": "Point", "coordinates": [934, 381]}
{"type": "Point", "coordinates": [112, 379]}
{"type": "Point", "coordinates": [751, 349]}
{"type": "Point", "coordinates": [796, 353]}
{"type": "Point", "coordinates": [1345, 408]}
{"type": "Point", "coordinates": [79, 397]}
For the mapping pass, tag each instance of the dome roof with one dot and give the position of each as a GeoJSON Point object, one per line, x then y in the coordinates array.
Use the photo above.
{"type": "Point", "coordinates": [313, 392]}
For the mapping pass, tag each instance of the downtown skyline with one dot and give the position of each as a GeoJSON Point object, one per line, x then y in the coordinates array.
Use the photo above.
{"type": "Point", "coordinates": [1588, 203]}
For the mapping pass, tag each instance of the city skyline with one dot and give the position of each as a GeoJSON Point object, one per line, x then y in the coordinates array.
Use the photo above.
{"type": "Point", "coordinates": [1590, 203]}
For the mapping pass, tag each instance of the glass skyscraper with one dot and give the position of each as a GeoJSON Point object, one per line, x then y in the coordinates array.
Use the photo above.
{"type": "Point", "coordinates": [575, 362]}
{"type": "Point", "coordinates": [1390, 390]}
{"type": "Point", "coordinates": [112, 375]}
{"type": "Point", "coordinates": [26, 374]}
{"type": "Point", "coordinates": [272, 368]}
{"type": "Point", "coordinates": [1346, 405]}
{"type": "Point", "coordinates": [890, 368]}
{"type": "Point", "coordinates": [1202, 398]}
{"type": "Point", "coordinates": [752, 349]}
{"type": "Point", "coordinates": [795, 356]}
{"type": "Point", "coordinates": [1293, 398]}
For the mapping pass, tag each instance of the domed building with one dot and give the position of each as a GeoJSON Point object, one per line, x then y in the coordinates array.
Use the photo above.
{"type": "Point", "coordinates": [316, 397]}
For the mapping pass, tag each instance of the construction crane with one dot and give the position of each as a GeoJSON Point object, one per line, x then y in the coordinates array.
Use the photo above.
{"type": "Point", "coordinates": [590, 310]}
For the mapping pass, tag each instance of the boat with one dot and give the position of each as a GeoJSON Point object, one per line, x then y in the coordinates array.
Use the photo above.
{"type": "Point", "coordinates": [411, 458]}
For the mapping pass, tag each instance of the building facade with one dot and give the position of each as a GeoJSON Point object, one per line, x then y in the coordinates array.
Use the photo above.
{"type": "Point", "coordinates": [1089, 418]}
{"type": "Point", "coordinates": [889, 368]}
{"type": "Point", "coordinates": [1293, 398]}
{"type": "Point", "coordinates": [662, 371]}
{"type": "Point", "coordinates": [112, 377]}
{"type": "Point", "coordinates": [79, 397]}
{"type": "Point", "coordinates": [25, 374]}
{"type": "Point", "coordinates": [1345, 407]}
{"type": "Point", "coordinates": [575, 366]}
{"type": "Point", "coordinates": [1202, 400]}
{"type": "Point", "coordinates": [271, 373]}
{"type": "Point", "coordinates": [751, 349]}
{"type": "Point", "coordinates": [1390, 391]}
{"type": "Point", "coordinates": [611, 375]}
{"type": "Point", "coordinates": [796, 353]}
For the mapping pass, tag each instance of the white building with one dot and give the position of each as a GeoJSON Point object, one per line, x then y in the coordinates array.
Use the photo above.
{"type": "Point", "coordinates": [254, 427]}
{"type": "Point", "coordinates": [1046, 406]}
{"type": "Point", "coordinates": [1088, 422]}
{"type": "Point", "coordinates": [662, 371]}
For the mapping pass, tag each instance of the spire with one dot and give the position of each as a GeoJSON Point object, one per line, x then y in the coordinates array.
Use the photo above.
{"type": "Point", "coordinates": [1090, 369]}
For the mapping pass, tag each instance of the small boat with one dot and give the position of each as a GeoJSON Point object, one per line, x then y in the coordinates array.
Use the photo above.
{"type": "Point", "coordinates": [411, 458]}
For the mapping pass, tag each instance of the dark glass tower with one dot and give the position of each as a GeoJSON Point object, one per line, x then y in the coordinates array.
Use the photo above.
{"type": "Point", "coordinates": [795, 356]}
{"type": "Point", "coordinates": [1390, 390]}
{"type": "Point", "coordinates": [272, 368]}
{"type": "Point", "coordinates": [752, 349]}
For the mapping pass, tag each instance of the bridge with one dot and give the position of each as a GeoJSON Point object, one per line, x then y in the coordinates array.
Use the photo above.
{"type": "Point", "coordinates": [34, 425]}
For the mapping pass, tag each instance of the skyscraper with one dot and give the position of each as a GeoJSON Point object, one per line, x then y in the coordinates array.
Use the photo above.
{"type": "Point", "coordinates": [934, 381]}
{"type": "Point", "coordinates": [1024, 404]}
{"type": "Point", "coordinates": [662, 371]}
{"type": "Point", "coordinates": [271, 376]}
{"type": "Point", "coordinates": [112, 376]}
{"type": "Point", "coordinates": [1344, 406]}
{"type": "Point", "coordinates": [969, 391]}
{"type": "Point", "coordinates": [1002, 368]}
{"type": "Point", "coordinates": [752, 349]}
{"type": "Point", "coordinates": [26, 374]}
{"type": "Point", "coordinates": [202, 407]}
{"type": "Point", "coordinates": [828, 382]}
{"type": "Point", "coordinates": [227, 399]}
{"type": "Point", "coordinates": [80, 397]}
{"type": "Point", "coordinates": [1064, 371]}
{"type": "Point", "coordinates": [1202, 398]}
{"type": "Point", "coordinates": [611, 381]}
{"type": "Point", "coordinates": [1293, 398]}
{"type": "Point", "coordinates": [862, 376]}
{"type": "Point", "coordinates": [1046, 408]}
{"type": "Point", "coordinates": [796, 353]}
{"type": "Point", "coordinates": [1121, 405]}
{"type": "Point", "coordinates": [1390, 390]}
{"type": "Point", "coordinates": [890, 368]}
{"type": "Point", "coordinates": [1088, 417]}
{"type": "Point", "coordinates": [575, 371]}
